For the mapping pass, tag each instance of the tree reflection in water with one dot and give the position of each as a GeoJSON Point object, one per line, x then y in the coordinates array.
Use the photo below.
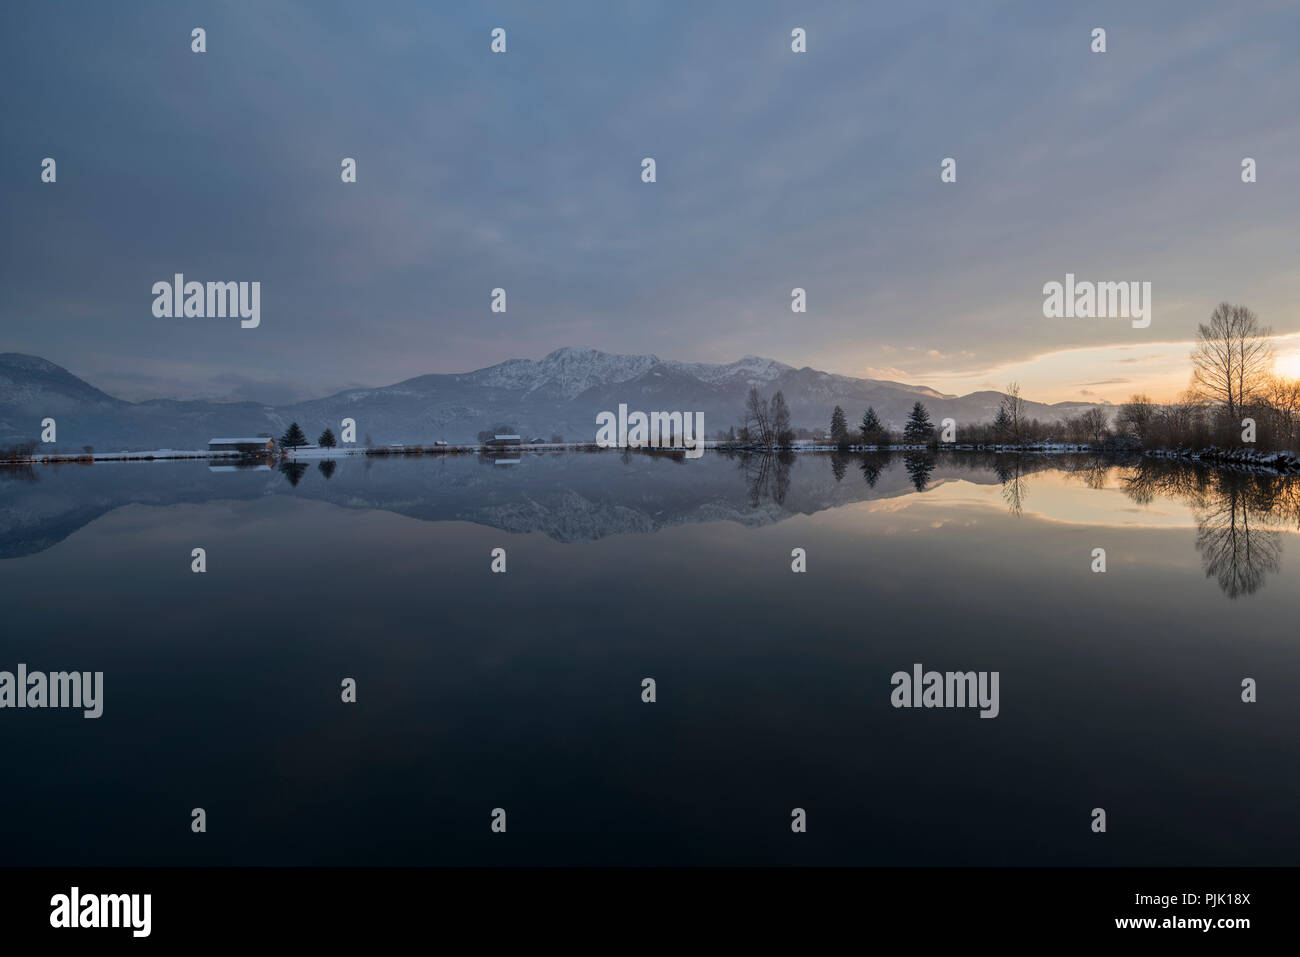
{"type": "Point", "coordinates": [873, 463]}
{"type": "Point", "coordinates": [293, 471]}
{"type": "Point", "coordinates": [919, 465]}
{"type": "Point", "coordinates": [839, 465]}
{"type": "Point", "coordinates": [1238, 516]}
{"type": "Point", "coordinates": [1010, 473]}
{"type": "Point", "coordinates": [767, 476]}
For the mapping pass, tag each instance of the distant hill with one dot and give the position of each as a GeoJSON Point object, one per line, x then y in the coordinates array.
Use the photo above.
{"type": "Point", "coordinates": [560, 393]}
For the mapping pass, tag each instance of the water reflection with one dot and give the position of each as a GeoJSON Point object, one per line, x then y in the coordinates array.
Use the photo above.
{"type": "Point", "coordinates": [18, 473]}
{"type": "Point", "coordinates": [1014, 486]}
{"type": "Point", "coordinates": [293, 471]}
{"type": "Point", "coordinates": [919, 465]}
{"type": "Point", "coordinates": [872, 464]}
{"type": "Point", "coordinates": [1239, 516]}
{"type": "Point", "coordinates": [767, 476]}
{"type": "Point", "coordinates": [839, 465]}
{"type": "Point", "coordinates": [1235, 554]}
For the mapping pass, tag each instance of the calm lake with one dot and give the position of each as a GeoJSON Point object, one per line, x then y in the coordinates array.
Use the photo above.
{"type": "Point", "coordinates": [523, 691]}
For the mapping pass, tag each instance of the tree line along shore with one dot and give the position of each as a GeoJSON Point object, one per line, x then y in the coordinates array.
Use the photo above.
{"type": "Point", "coordinates": [1236, 409]}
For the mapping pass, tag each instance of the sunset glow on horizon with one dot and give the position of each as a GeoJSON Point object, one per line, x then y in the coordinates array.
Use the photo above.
{"type": "Point", "coordinates": [1161, 370]}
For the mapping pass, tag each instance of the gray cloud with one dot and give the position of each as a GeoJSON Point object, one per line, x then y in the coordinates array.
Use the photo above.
{"type": "Point", "coordinates": [522, 171]}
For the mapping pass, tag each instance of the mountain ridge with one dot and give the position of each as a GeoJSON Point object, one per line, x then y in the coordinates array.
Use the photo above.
{"type": "Point", "coordinates": [560, 393]}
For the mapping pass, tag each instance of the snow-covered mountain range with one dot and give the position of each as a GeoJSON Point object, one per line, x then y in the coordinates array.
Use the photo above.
{"type": "Point", "coordinates": [558, 394]}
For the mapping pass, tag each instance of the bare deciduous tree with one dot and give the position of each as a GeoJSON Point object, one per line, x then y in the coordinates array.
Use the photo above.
{"type": "Point", "coordinates": [1137, 417]}
{"type": "Point", "coordinates": [1283, 399]}
{"type": "Point", "coordinates": [1233, 357]}
{"type": "Point", "coordinates": [758, 417]}
{"type": "Point", "coordinates": [1095, 426]}
{"type": "Point", "coordinates": [1014, 408]}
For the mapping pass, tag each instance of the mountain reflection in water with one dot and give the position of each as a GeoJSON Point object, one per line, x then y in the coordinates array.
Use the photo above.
{"type": "Point", "coordinates": [1239, 515]}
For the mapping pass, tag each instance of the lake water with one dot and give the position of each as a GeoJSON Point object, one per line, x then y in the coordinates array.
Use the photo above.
{"type": "Point", "coordinates": [522, 690]}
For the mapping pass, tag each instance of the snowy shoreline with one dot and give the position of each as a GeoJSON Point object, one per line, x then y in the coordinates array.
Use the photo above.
{"type": "Point", "coordinates": [1282, 463]}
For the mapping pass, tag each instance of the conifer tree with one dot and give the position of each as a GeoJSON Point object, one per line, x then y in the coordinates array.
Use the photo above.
{"type": "Point", "coordinates": [293, 437]}
{"type": "Point", "coordinates": [873, 433]}
{"type": "Point", "coordinates": [839, 426]}
{"type": "Point", "coordinates": [1002, 422]}
{"type": "Point", "coordinates": [919, 430]}
{"type": "Point", "coordinates": [781, 431]}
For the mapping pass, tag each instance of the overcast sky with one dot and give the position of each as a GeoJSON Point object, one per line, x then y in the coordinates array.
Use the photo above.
{"type": "Point", "coordinates": [522, 170]}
